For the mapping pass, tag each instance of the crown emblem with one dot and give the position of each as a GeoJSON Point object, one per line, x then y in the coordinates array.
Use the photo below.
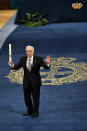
{"type": "Point", "coordinates": [77, 6]}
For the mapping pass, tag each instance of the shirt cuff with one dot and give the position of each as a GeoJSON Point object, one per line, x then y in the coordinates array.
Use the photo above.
{"type": "Point", "coordinates": [48, 65]}
{"type": "Point", "coordinates": [12, 66]}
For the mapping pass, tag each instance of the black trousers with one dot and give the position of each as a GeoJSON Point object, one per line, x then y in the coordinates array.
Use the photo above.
{"type": "Point", "coordinates": [32, 98]}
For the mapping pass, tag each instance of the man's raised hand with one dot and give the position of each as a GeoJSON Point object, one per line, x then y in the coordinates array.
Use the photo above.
{"type": "Point", "coordinates": [48, 58]}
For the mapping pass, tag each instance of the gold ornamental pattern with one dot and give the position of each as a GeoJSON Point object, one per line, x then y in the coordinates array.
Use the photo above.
{"type": "Point", "coordinates": [62, 71]}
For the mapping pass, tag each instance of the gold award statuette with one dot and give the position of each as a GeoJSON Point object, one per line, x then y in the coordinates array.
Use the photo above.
{"type": "Point", "coordinates": [10, 53]}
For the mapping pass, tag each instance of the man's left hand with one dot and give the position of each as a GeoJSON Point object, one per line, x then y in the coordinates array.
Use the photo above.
{"type": "Point", "coordinates": [48, 58]}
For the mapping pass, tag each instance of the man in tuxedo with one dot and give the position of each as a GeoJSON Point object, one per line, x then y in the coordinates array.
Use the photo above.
{"type": "Point", "coordinates": [31, 80]}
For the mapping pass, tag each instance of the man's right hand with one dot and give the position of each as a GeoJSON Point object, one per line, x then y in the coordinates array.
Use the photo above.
{"type": "Point", "coordinates": [11, 64]}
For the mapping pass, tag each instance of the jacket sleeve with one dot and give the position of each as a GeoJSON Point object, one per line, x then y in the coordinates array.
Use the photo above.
{"type": "Point", "coordinates": [44, 65]}
{"type": "Point", "coordinates": [18, 65]}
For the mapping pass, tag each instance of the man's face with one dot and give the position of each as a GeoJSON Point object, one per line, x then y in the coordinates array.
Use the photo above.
{"type": "Point", "coordinates": [29, 52]}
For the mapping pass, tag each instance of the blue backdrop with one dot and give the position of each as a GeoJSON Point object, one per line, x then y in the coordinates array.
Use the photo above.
{"type": "Point", "coordinates": [55, 10]}
{"type": "Point", "coordinates": [14, 4]}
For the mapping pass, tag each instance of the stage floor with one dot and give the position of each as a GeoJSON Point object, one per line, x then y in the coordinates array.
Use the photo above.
{"type": "Point", "coordinates": [64, 91]}
{"type": "Point", "coordinates": [5, 15]}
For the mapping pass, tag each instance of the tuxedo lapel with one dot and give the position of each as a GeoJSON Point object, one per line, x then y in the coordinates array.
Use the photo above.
{"type": "Point", "coordinates": [34, 60]}
{"type": "Point", "coordinates": [25, 61]}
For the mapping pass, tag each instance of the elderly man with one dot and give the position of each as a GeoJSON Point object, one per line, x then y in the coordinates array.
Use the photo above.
{"type": "Point", "coordinates": [31, 80]}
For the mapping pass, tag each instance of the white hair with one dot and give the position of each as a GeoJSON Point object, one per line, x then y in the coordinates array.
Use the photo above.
{"type": "Point", "coordinates": [28, 46]}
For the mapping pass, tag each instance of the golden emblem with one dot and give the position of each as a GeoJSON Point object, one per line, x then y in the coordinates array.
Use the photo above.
{"type": "Point", "coordinates": [77, 6]}
{"type": "Point", "coordinates": [62, 71]}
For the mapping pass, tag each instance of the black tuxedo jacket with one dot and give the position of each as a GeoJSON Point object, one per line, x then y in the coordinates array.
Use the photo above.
{"type": "Point", "coordinates": [32, 77]}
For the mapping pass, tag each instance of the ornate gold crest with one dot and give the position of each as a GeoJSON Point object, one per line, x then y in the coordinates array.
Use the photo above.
{"type": "Point", "coordinates": [62, 71]}
{"type": "Point", "coordinates": [77, 6]}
